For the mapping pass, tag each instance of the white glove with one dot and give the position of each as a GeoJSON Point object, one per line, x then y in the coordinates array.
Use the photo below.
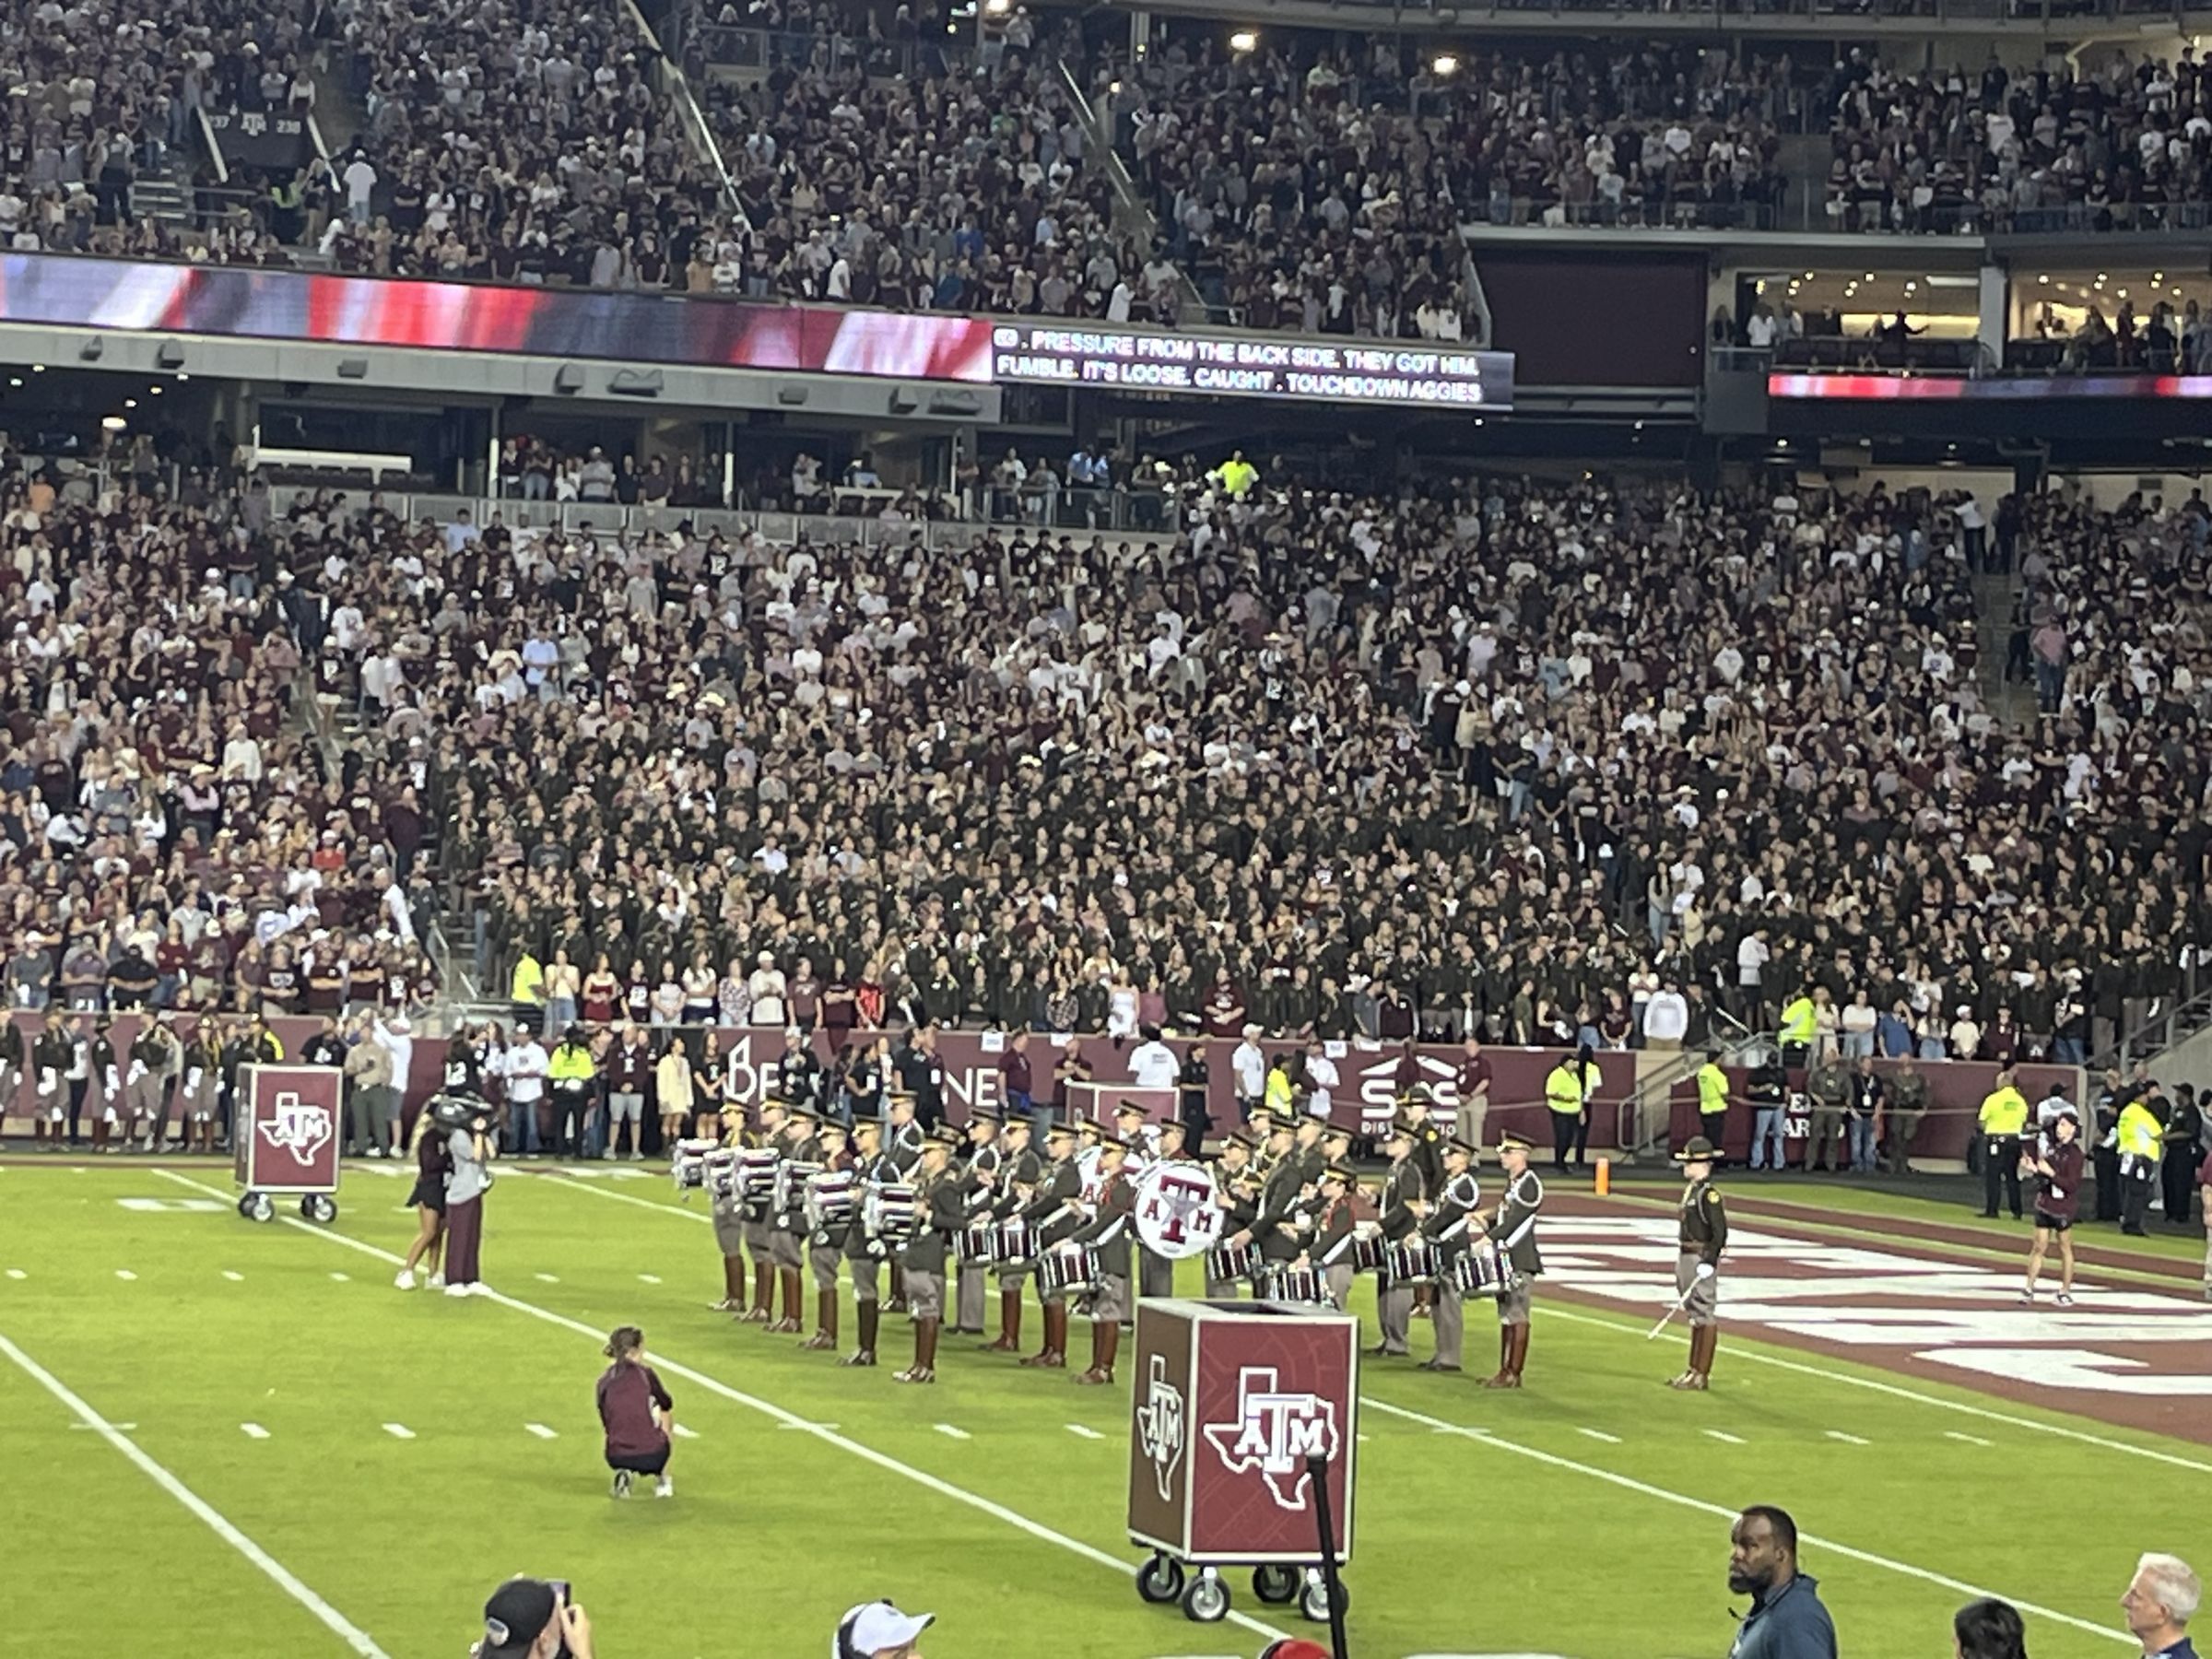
{"type": "Point", "coordinates": [1705, 1271]}
{"type": "Point", "coordinates": [138, 1071]}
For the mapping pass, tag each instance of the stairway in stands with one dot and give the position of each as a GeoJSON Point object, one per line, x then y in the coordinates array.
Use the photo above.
{"type": "Point", "coordinates": [2013, 703]}
{"type": "Point", "coordinates": [164, 194]}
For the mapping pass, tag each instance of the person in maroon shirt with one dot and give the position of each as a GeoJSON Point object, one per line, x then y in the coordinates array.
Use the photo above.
{"type": "Point", "coordinates": [635, 1410]}
{"type": "Point", "coordinates": [1015, 1076]}
{"type": "Point", "coordinates": [2057, 1203]}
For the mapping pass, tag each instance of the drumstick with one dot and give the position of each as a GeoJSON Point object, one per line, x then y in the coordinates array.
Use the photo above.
{"type": "Point", "coordinates": [1668, 1317]}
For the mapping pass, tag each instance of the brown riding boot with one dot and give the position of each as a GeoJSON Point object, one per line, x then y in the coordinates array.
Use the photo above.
{"type": "Point", "coordinates": [1009, 1325]}
{"type": "Point", "coordinates": [1105, 1342]}
{"type": "Point", "coordinates": [791, 1281]}
{"type": "Point", "coordinates": [869, 1314]}
{"type": "Point", "coordinates": [1689, 1378]}
{"type": "Point", "coordinates": [1703, 1341]}
{"type": "Point", "coordinates": [824, 1321]}
{"type": "Point", "coordinates": [1504, 1377]}
{"type": "Point", "coordinates": [100, 1136]}
{"type": "Point", "coordinates": [925, 1368]}
{"type": "Point", "coordinates": [764, 1294]}
{"type": "Point", "coordinates": [1520, 1353]}
{"type": "Point", "coordinates": [732, 1286]}
{"type": "Point", "coordinates": [897, 1301]}
{"type": "Point", "coordinates": [1054, 1354]}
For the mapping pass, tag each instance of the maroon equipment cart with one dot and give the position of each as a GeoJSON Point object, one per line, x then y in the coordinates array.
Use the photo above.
{"type": "Point", "coordinates": [286, 1139]}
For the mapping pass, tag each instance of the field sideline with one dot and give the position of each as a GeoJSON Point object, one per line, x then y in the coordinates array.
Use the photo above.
{"type": "Point", "coordinates": [389, 1457]}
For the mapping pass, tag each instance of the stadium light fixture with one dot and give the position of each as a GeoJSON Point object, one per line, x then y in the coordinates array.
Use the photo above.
{"type": "Point", "coordinates": [1244, 40]}
{"type": "Point", "coordinates": [113, 423]}
{"type": "Point", "coordinates": [130, 403]}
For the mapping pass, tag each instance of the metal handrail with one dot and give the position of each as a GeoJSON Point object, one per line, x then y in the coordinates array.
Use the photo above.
{"type": "Point", "coordinates": [1645, 1130]}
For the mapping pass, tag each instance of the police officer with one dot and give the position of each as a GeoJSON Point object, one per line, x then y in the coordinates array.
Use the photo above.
{"type": "Point", "coordinates": [786, 1217]}
{"type": "Point", "coordinates": [1237, 1193]}
{"type": "Point", "coordinates": [863, 1252]}
{"type": "Point", "coordinates": [1052, 1214]}
{"type": "Point", "coordinates": [1109, 1233]}
{"type": "Point", "coordinates": [1701, 1236]}
{"type": "Point", "coordinates": [1018, 1175]}
{"type": "Point", "coordinates": [826, 1245]}
{"type": "Point", "coordinates": [1513, 1227]}
{"type": "Point", "coordinates": [1446, 1228]}
{"type": "Point", "coordinates": [978, 1190]}
{"type": "Point", "coordinates": [1332, 1251]}
{"type": "Point", "coordinates": [1403, 1203]}
{"type": "Point", "coordinates": [2002, 1121]}
{"type": "Point", "coordinates": [940, 1210]}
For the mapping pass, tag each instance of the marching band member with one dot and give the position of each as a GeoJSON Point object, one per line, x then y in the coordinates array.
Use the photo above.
{"type": "Point", "coordinates": [1514, 1228]}
{"type": "Point", "coordinates": [1428, 1151]}
{"type": "Point", "coordinates": [826, 1245]}
{"type": "Point", "coordinates": [787, 1219]}
{"type": "Point", "coordinates": [1088, 1134]}
{"type": "Point", "coordinates": [1264, 1149]}
{"type": "Point", "coordinates": [1403, 1206]}
{"type": "Point", "coordinates": [203, 1084]}
{"type": "Point", "coordinates": [1108, 1233]}
{"type": "Point", "coordinates": [1447, 1226]}
{"type": "Point", "coordinates": [940, 1211]}
{"type": "Point", "coordinates": [1052, 1214]}
{"type": "Point", "coordinates": [1020, 1174]}
{"type": "Point", "coordinates": [903, 1144]}
{"type": "Point", "coordinates": [1141, 1136]}
{"type": "Point", "coordinates": [146, 1085]}
{"type": "Point", "coordinates": [1156, 1273]}
{"type": "Point", "coordinates": [727, 1211]}
{"type": "Point", "coordinates": [978, 1190]}
{"type": "Point", "coordinates": [109, 1078]}
{"type": "Point", "coordinates": [864, 1253]}
{"type": "Point", "coordinates": [1332, 1245]}
{"type": "Point", "coordinates": [1703, 1236]}
{"type": "Point", "coordinates": [759, 1233]}
{"type": "Point", "coordinates": [13, 1059]}
{"type": "Point", "coordinates": [1236, 1192]}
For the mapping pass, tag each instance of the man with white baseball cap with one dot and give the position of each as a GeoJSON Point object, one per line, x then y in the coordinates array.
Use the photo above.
{"type": "Point", "coordinates": [879, 1631]}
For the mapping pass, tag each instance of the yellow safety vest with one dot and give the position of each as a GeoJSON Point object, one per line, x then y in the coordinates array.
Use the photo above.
{"type": "Point", "coordinates": [1713, 1089]}
{"type": "Point", "coordinates": [1563, 1089]}
{"type": "Point", "coordinates": [529, 985]}
{"type": "Point", "coordinates": [1799, 1021]}
{"type": "Point", "coordinates": [570, 1062]}
{"type": "Point", "coordinates": [2004, 1111]}
{"type": "Point", "coordinates": [2139, 1131]}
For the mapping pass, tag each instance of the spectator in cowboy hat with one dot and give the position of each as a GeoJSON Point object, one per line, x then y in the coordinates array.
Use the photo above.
{"type": "Point", "coordinates": [879, 1631]}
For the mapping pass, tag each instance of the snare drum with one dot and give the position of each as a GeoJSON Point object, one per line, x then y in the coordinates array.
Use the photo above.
{"type": "Point", "coordinates": [1409, 1261]}
{"type": "Point", "coordinates": [756, 1177]}
{"type": "Point", "coordinates": [1232, 1261]}
{"type": "Point", "coordinates": [792, 1177]}
{"type": "Point", "coordinates": [1011, 1245]}
{"type": "Point", "coordinates": [830, 1200]}
{"type": "Point", "coordinates": [974, 1245]}
{"type": "Point", "coordinates": [688, 1168]}
{"type": "Point", "coordinates": [1301, 1285]}
{"type": "Point", "coordinates": [1482, 1270]}
{"type": "Point", "coordinates": [888, 1211]}
{"type": "Point", "coordinates": [1068, 1270]}
{"type": "Point", "coordinates": [1368, 1253]}
{"type": "Point", "coordinates": [721, 1174]}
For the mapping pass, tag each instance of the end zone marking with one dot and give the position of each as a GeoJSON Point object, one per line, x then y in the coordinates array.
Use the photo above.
{"type": "Point", "coordinates": [826, 1433]}
{"type": "Point", "coordinates": [542, 1431]}
{"type": "Point", "coordinates": [947, 1429]}
{"type": "Point", "coordinates": [1684, 1500]}
{"type": "Point", "coordinates": [354, 1637]}
{"type": "Point", "coordinates": [1599, 1434]}
{"type": "Point", "coordinates": [253, 1431]}
{"type": "Point", "coordinates": [1972, 1440]}
{"type": "Point", "coordinates": [1081, 1431]}
{"type": "Point", "coordinates": [1723, 1434]}
{"type": "Point", "coordinates": [399, 1431]}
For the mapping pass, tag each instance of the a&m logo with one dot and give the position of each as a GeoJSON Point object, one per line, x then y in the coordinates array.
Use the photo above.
{"type": "Point", "coordinates": [1159, 1427]}
{"type": "Point", "coordinates": [1176, 1215]}
{"type": "Point", "coordinates": [298, 1127]}
{"type": "Point", "coordinates": [1275, 1433]}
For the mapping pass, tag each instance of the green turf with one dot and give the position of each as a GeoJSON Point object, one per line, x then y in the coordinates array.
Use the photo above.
{"type": "Point", "coordinates": [1534, 1537]}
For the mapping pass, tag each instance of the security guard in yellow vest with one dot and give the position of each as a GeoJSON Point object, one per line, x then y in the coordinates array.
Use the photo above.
{"type": "Point", "coordinates": [2140, 1136]}
{"type": "Point", "coordinates": [1713, 1098]}
{"type": "Point", "coordinates": [1800, 1024]}
{"type": "Point", "coordinates": [2004, 1119]}
{"type": "Point", "coordinates": [1568, 1101]}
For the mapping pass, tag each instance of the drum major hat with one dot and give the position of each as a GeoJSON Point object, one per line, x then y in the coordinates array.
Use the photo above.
{"type": "Point", "coordinates": [1459, 1143]}
{"type": "Point", "coordinates": [1698, 1149]}
{"type": "Point", "coordinates": [945, 1135]}
{"type": "Point", "coordinates": [1510, 1142]}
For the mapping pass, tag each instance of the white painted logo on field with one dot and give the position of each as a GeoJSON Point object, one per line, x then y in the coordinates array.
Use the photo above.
{"type": "Point", "coordinates": [1965, 1317]}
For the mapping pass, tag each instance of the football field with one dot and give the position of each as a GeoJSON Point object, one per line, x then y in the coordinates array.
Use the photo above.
{"type": "Point", "coordinates": [218, 1429]}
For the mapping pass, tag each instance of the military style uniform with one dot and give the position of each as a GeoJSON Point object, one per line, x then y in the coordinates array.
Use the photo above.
{"type": "Point", "coordinates": [864, 1254]}
{"type": "Point", "coordinates": [1513, 1229]}
{"type": "Point", "coordinates": [12, 1056]}
{"type": "Point", "coordinates": [1702, 1236]}
{"type": "Point", "coordinates": [108, 1078]}
{"type": "Point", "coordinates": [1402, 1189]}
{"type": "Point", "coordinates": [53, 1055]}
{"type": "Point", "coordinates": [727, 1212]}
{"type": "Point", "coordinates": [1238, 1194]}
{"type": "Point", "coordinates": [1053, 1214]}
{"type": "Point", "coordinates": [1018, 1173]}
{"type": "Point", "coordinates": [1447, 1227]}
{"type": "Point", "coordinates": [152, 1059]}
{"type": "Point", "coordinates": [202, 1088]}
{"type": "Point", "coordinates": [754, 1211]}
{"type": "Point", "coordinates": [980, 1196]}
{"type": "Point", "coordinates": [1109, 1234]}
{"type": "Point", "coordinates": [903, 1144]}
{"type": "Point", "coordinates": [941, 1210]}
{"type": "Point", "coordinates": [826, 1248]}
{"type": "Point", "coordinates": [787, 1219]}
{"type": "Point", "coordinates": [1332, 1250]}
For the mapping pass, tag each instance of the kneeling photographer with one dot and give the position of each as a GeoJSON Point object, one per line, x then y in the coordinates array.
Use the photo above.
{"type": "Point", "coordinates": [466, 1123]}
{"type": "Point", "coordinates": [533, 1618]}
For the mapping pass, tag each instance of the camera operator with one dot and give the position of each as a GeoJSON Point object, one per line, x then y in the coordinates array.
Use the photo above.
{"type": "Point", "coordinates": [533, 1618]}
{"type": "Point", "coordinates": [467, 1125]}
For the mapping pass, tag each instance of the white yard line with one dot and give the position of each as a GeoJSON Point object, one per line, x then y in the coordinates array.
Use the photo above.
{"type": "Point", "coordinates": [399, 1431]}
{"type": "Point", "coordinates": [1970, 1439]}
{"type": "Point", "coordinates": [947, 1430]}
{"type": "Point", "coordinates": [1849, 1439]}
{"type": "Point", "coordinates": [253, 1431]}
{"type": "Point", "coordinates": [125, 1274]}
{"type": "Point", "coordinates": [2045, 1422]}
{"type": "Point", "coordinates": [826, 1434]}
{"type": "Point", "coordinates": [236, 1279]}
{"type": "Point", "coordinates": [342, 1278]}
{"type": "Point", "coordinates": [545, 1278]}
{"type": "Point", "coordinates": [1722, 1511]}
{"type": "Point", "coordinates": [685, 1432]}
{"type": "Point", "coordinates": [649, 1278]}
{"type": "Point", "coordinates": [1725, 1437]}
{"type": "Point", "coordinates": [16, 1273]}
{"type": "Point", "coordinates": [352, 1635]}
{"type": "Point", "coordinates": [1599, 1434]}
{"type": "Point", "coordinates": [1081, 1431]}
{"type": "Point", "coordinates": [542, 1431]}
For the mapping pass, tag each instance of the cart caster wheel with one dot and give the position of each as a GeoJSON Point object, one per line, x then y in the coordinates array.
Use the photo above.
{"type": "Point", "coordinates": [1159, 1581]}
{"type": "Point", "coordinates": [1276, 1585]}
{"type": "Point", "coordinates": [316, 1208]}
{"type": "Point", "coordinates": [1206, 1599]}
{"type": "Point", "coordinates": [257, 1207]}
{"type": "Point", "coordinates": [1313, 1601]}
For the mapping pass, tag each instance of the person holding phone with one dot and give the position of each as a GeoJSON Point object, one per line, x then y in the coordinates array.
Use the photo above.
{"type": "Point", "coordinates": [533, 1618]}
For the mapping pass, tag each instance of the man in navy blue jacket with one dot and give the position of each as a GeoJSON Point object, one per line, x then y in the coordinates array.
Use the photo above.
{"type": "Point", "coordinates": [1786, 1621]}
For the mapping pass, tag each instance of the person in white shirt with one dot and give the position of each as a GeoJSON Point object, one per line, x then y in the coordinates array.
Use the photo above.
{"type": "Point", "coordinates": [1152, 1063]}
{"type": "Point", "coordinates": [1855, 1026]}
{"type": "Point", "coordinates": [525, 1066]}
{"type": "Point", "coordinates": [1321, 1080]}
{"type": "Point", "coordinates": [360, 181]}
{"type": "Point", "coordinates": [1665, 1019]}
{"type": "Point", "coordinates": [397, 1039]}
{"type": "Point", "coordinates": [1248, 1065]}
{"type": "Point", "coordinates": [1751, 957]}
{"type": "Point", "coordinates": [767, 990]}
